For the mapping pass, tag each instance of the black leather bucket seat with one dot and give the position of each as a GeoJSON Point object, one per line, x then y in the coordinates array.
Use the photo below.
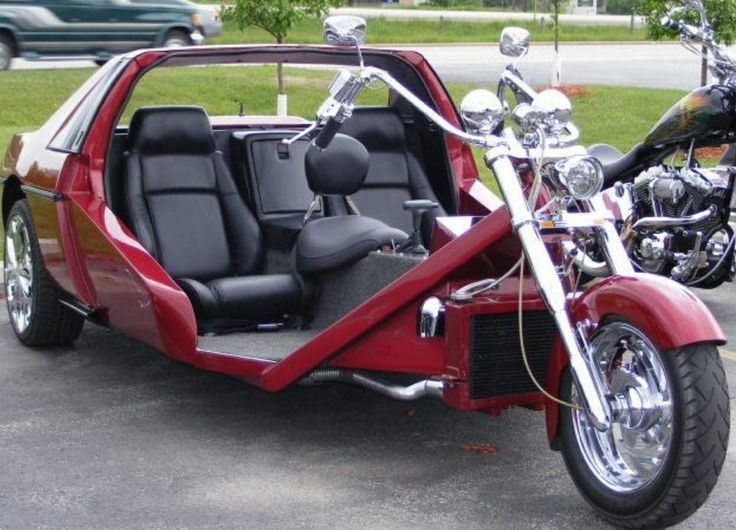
{"type": "Point", "coordinates": [186, 211]}
{"type": "Point", "coordinates": [395, 175]}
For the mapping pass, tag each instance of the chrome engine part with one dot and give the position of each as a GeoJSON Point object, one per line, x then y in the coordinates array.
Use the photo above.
{"type": "Point", "coordinates": [678, 226]}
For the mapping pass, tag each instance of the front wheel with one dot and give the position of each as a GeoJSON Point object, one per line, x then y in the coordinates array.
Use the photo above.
{"type": "Point", "coordinates": [664, 452]}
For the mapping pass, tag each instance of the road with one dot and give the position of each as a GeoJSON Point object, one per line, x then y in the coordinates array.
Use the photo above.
{"type": "Point", "coordinates": [111, 434]}
{"type": "Point", "coordinates": [642, 64]}
{"type": "Point", "coordinates": [651, 65]}
{"type": "Point", "coordinates": [488, 16]}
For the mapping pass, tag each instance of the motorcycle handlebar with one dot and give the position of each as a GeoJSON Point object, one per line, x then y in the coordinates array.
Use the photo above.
{"type": "Point", "coordinates": [328, 132]}
{"type": "Point", "coordinates": [671, 24]}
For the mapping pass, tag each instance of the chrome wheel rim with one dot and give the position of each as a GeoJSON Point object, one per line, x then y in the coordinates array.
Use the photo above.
{"type": "Point", "coordinates": [630, 455]}
{"type": "Point", "coordinates": [18, 273]}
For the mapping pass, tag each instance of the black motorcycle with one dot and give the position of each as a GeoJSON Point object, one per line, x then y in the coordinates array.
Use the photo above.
{"type": "Point", "coordinates": [673, 214]}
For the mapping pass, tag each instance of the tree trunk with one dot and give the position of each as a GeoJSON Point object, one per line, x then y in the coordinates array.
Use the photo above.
{"type": "Point", "coordinates": [280, 70]}
{"type": "Point", "coordinates": [280, 77]}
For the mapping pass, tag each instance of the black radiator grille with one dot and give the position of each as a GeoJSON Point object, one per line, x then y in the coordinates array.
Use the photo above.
{"type": "Point", "coordinates": [496, 365]}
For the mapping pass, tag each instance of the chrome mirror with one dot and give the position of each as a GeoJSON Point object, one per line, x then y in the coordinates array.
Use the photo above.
{"type": "Point", "coordinates": [344, 30]}
{"type": "Point", "coordinates": [482, 112]}
{"type": "Point", "coordinates": [514, 42]}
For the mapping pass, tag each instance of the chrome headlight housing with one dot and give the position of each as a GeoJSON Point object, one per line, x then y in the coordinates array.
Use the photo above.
{"type": "Point", "coordinates": [482, 112]}
{"type": "Point", "coordinates": [553, 109]}
{"type": "Point", "coordinates": [581, 176]}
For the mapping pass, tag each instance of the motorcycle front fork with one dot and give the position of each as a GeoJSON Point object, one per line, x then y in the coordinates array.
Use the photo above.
{"type": "Point", "coordinates": [588, 377]}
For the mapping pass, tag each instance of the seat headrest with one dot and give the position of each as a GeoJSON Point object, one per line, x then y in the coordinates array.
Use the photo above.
{"type": "Point", "coordinates": [378, 128]}
{"type": "Point", "coordinates": [171, 130]}
{"type": "Point", "coordinates": [340, 169]}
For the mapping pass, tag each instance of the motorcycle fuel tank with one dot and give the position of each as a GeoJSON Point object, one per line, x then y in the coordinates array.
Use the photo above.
{"type": "Point", "coordinates": [707, 114]}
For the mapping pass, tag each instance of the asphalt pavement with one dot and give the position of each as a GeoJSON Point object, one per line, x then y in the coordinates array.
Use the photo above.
{"type": "Point", "coordinates": [112, 434]}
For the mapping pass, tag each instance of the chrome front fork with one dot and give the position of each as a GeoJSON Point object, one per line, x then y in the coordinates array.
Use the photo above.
{"type": "Point", "coordinates": [588, 376]}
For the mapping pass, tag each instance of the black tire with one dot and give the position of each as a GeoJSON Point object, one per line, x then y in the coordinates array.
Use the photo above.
{"type": "Point", "coordinates": [176, 38]}
{"type": "Point", "coordinates": [101, 62]}
{"type": "Point", "coordinates": [697, 452]}
{"type": "Point", "coordinates": [50, 322]}
{"type": "Point", "coordinates": [7, 51]}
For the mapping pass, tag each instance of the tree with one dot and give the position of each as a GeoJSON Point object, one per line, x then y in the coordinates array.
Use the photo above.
{"type": "Point", "coordinates": [276, 17]}
{"type": "Point", "coordinates": [721, 14]}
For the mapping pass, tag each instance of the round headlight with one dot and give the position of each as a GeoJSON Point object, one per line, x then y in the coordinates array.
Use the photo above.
{"type": "Point", "coordinates": [482, 112]}
{"type": "Point", "coordinates": [553, 109]}
{"type": "Point", "coordinates": [582, 176]}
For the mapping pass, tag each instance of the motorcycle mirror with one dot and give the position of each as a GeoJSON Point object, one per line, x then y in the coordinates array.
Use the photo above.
{"type": "Point", "coordinates": [482, 112]}
{"type": "Point", "coordinates": [344, 30]}
{"type": "Point", "coordinates": [514, 42]}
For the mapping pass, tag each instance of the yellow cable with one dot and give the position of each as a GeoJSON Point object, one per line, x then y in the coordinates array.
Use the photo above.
{"type": "Point", "coordinates": [523, 347]}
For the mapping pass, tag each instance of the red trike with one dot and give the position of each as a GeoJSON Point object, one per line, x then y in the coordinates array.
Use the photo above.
{"type": "Point", "coordinates": [362, 249]}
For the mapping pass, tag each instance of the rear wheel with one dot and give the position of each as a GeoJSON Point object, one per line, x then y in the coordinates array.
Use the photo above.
{"type": "Point", "coordinates": [37, 316]}
{"type": "Point", "coordinates": [176, 39]}
{"type": "Point", "coordinates": [6, 52]}
{"type": "Point", "coordinates": [664, 452]}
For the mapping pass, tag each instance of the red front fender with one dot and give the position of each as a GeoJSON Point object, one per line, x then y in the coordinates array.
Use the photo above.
{"type": "Point", "coordinates": [669, 314]}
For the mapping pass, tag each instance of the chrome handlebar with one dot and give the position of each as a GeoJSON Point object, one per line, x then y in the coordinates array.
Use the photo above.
{"type": "Point", "coordinates": [724, 66]}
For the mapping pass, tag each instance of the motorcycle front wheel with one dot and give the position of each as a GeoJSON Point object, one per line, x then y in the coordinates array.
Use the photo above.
{"type": "Point", "coordinates": [664, 452]}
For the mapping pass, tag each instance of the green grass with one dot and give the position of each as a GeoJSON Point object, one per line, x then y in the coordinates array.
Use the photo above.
{"type": "Point", "coordinates": [620, 116]}
{"type": "Point", "coordinates": [385, 31]}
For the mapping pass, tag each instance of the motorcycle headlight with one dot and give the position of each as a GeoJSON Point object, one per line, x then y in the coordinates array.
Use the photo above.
{"type": "Point", "coordinates": [582, 176]}
{"type": "Point", "coordinates": [553, 109]}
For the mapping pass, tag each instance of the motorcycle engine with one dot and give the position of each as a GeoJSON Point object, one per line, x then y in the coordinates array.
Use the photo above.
{"type": "Point", "coordinates": [685, 252]}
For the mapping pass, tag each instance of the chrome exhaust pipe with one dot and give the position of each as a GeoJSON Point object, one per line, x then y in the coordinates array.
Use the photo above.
{"type": "Point", "coordinates": [427, 387]}
{"type": "Point", "coordinates": [663, 222]}
{"type": "Point", "coordinates": [591, 267]}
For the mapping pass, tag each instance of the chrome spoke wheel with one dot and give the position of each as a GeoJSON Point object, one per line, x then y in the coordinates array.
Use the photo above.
{"type": "Point", "coordinates": [632, 453]}
{"type": "Point", "coordinates": [18, 273]}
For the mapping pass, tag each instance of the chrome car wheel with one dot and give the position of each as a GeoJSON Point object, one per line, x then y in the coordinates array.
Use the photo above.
{"type": "Point", "coordinates": [630, 455]}
{"type": "Point", "coordinates": [18, 273]}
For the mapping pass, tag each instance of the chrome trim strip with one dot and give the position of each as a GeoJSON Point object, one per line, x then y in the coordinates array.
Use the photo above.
{"type": "Point", "coordinates": [78, 307]}
{"type": "Point", "coordinates": [51, 195]}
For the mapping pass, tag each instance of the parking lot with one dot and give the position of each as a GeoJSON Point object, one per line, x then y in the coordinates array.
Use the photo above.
{"type": "Point", "coordinates": [111, 434]}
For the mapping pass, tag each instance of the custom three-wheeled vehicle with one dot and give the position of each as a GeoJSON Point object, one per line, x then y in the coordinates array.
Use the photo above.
{"type": "Point", "coordinates": [362, 248]}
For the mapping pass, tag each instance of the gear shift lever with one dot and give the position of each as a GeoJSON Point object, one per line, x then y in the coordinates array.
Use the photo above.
{"type": "Point", "coordinates": [417, 207]}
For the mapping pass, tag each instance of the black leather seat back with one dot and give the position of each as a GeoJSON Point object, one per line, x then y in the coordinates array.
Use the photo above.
{"type": "Point", "coordinates": [395, 174]}
{"type": "Point", "coordinates": [182, 202]}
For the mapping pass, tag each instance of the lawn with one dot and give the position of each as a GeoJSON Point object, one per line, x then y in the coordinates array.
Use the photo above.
{"type": "Point", "coordinates": [385, 31]}
{"type": "Point", "coordinates": [620, 116]}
